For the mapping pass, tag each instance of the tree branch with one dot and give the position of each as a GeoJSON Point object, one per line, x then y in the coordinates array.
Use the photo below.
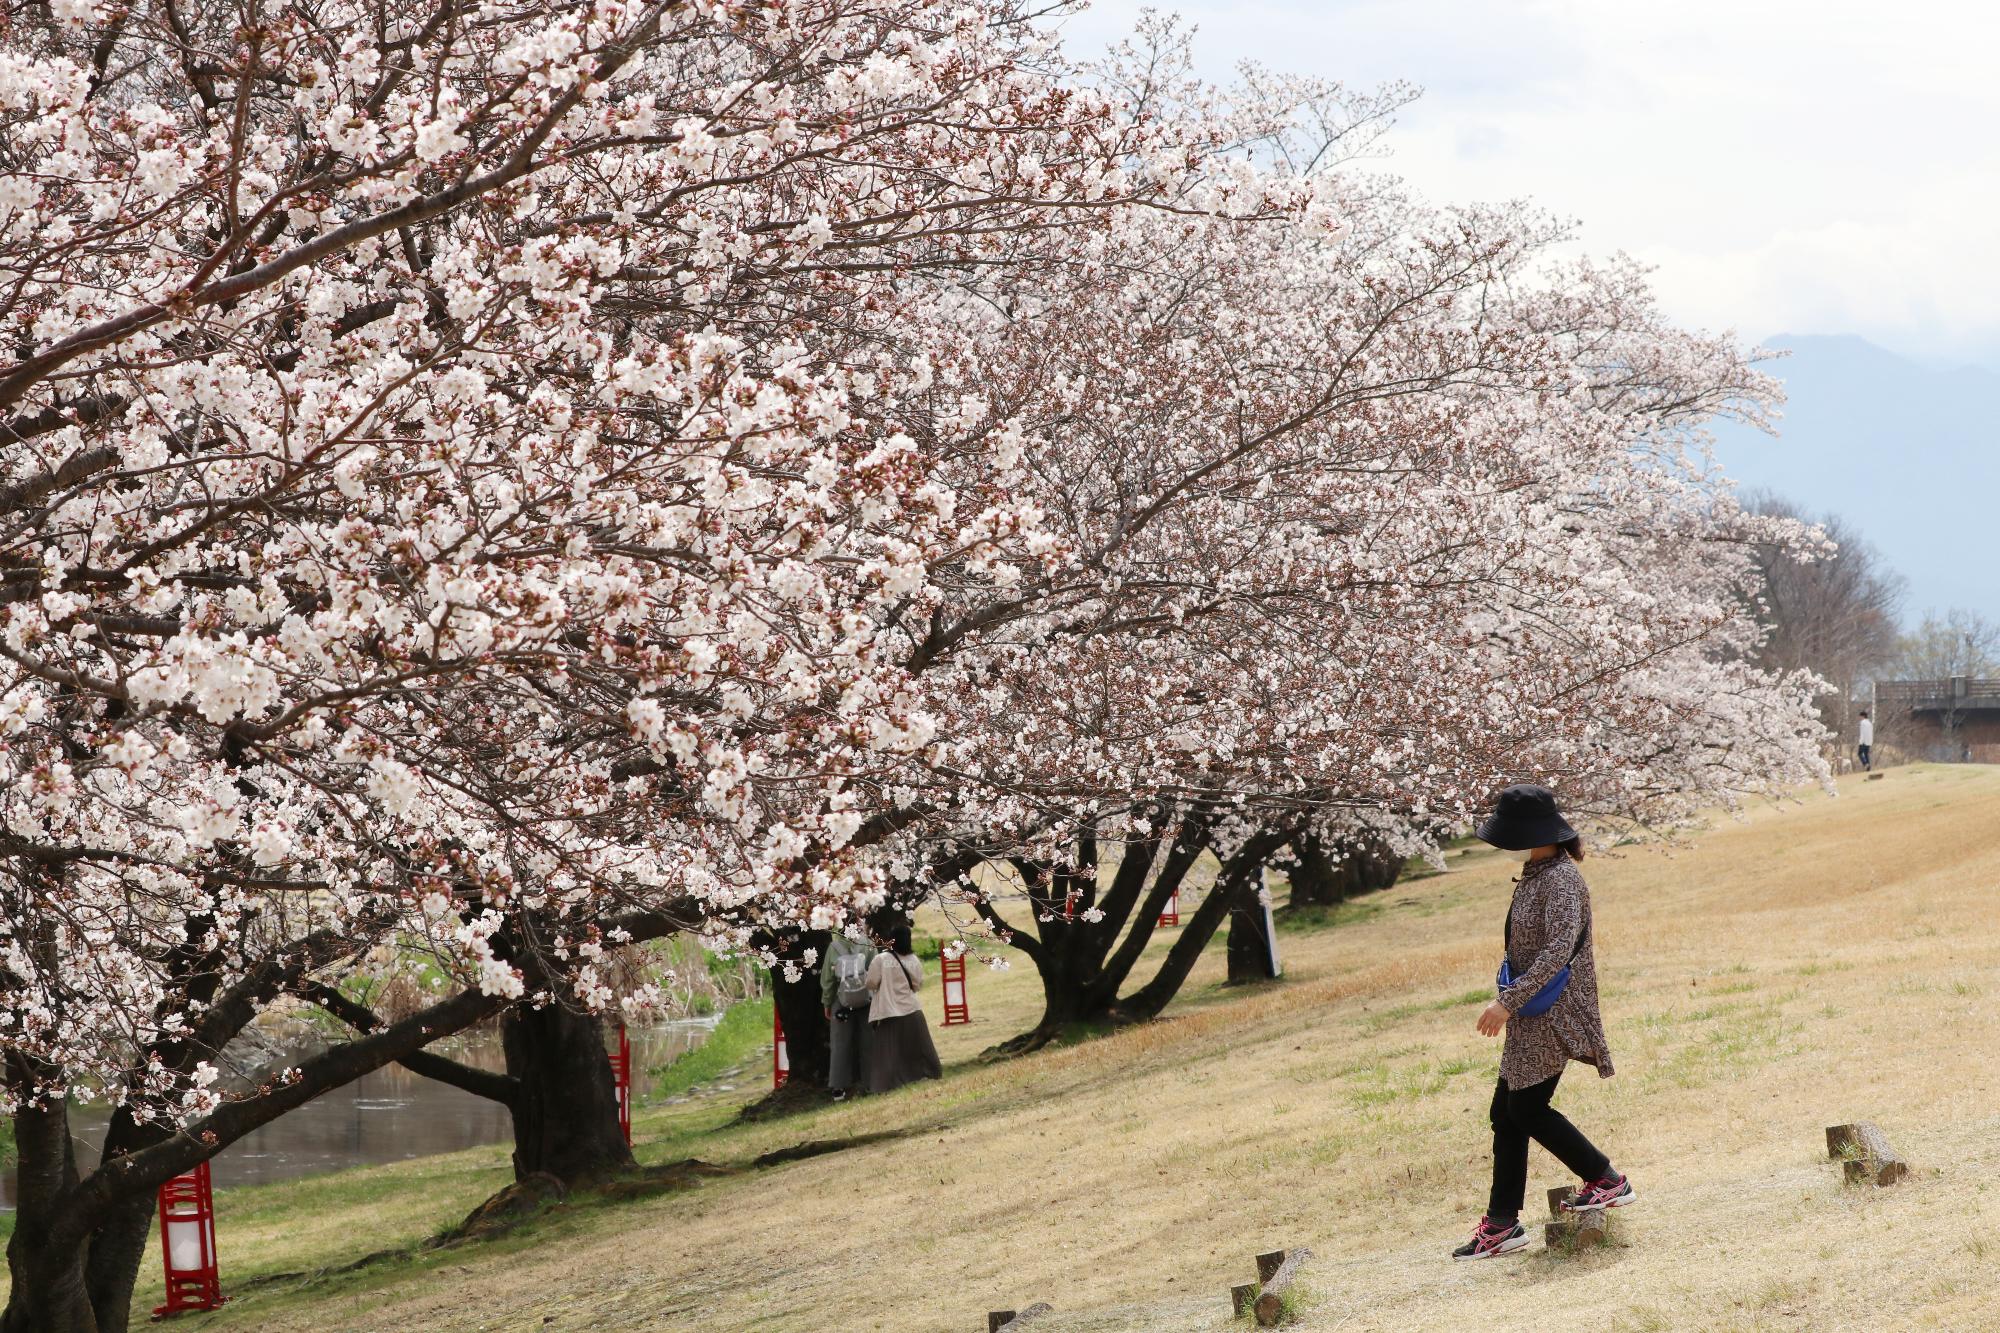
{"type": "Point", "coordinates": [146, 1170]}
{"type": "Point", "coordinates": [496, 1087]}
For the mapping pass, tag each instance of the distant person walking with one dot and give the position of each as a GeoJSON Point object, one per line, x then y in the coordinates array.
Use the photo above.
{"type": "Point", "coordinates": [843, 988]}
{"type": "Point", "coordinates": [1866, 736]}
{"type": "Point", "coordinates": [1548, 1007]}
{"type": "Point", "coordinates": [899, 1040]}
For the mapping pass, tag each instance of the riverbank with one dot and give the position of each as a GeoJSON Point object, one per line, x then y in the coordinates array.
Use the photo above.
{"type": "Point", "coordinates": [1828, 962]}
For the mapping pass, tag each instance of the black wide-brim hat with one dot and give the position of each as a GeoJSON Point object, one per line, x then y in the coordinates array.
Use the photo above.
{"type": "Point", "coordinates": [1524, 816]}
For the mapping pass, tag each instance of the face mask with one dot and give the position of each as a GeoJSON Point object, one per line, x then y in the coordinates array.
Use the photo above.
{"type": "Point", "coordinates": [1525, 855]}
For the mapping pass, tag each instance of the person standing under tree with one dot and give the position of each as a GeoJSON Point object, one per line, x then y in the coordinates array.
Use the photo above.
{"type": "Point", "coordinates": [1548, 1007]}
{"type": "Point", "coordinates": [899, 1040]}
{"type": "Point", "coordinates": [843, 989]}
{"type": "Point", "coordinates": [1866, 735]}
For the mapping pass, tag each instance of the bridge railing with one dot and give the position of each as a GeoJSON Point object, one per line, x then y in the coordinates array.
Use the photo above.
{"type": "Point", "coordinates": [1954, 693]}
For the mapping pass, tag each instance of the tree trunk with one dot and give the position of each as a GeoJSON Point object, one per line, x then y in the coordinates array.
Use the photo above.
{"type": "Point", "coordinates": [802, 1012]}
{"type": "Point", "coordinates": [1080, 970]}
{"type": "Point", "coordinates": [1149, 1000]}
{"type": "Point", "coordinates": [1249, 945]}
{"type": "Point", "coordinates": [48, 1292]}
{"type": "Point", "coordinates": [1324, 872]}
{"type": "Point", "coordinates": [565, 1104]}
{"type": "Point", "coordinates": [1067, 999]}
{"type": "Point", "coordinates": [118, 1245]}
{"type": "Point", "coordinates": [1313, 875]}
{"type": "Point", "coordinates": [1375, 865]}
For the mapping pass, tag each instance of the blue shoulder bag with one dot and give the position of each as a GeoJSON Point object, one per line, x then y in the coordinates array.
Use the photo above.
{"type": "Point", "coordinates": [1544, 999]}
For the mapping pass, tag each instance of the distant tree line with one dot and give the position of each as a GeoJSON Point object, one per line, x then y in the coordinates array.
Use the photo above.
{"type": "Point", "coordinates": [1837, 613]}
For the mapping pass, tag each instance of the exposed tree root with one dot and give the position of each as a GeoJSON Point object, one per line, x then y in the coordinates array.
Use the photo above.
{"type": "Point", "coordinates": [798, 1152]}
{"type": "Point", "coordinates": [793, 1097]}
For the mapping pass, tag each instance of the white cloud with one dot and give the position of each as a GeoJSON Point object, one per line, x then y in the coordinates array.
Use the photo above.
{"type": "Point", "coordinates": [1787, 165]}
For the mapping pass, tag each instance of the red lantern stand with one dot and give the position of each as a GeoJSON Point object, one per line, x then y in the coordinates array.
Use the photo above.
{"type": "Point", "coordinates": [1170, 915]}
{"type": "Point", "coordinates": [952, 971]}
{"type": "Point", "coordinates": [781, 1057]}
{"type": "Point", "coordinates": [621, 1078]}
{"type": "Point", "coordinates": [187, 1244]}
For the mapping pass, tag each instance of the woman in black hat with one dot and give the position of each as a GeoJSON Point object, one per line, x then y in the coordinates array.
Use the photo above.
{"type": "Point", "coordinates": [1548, 1008]}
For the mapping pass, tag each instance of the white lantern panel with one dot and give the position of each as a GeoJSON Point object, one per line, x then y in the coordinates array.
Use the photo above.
{"type": "Point", "coordinates": [184, 1244]}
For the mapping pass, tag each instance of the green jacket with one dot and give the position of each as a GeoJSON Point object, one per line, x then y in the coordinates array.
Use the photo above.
{"type": "Point", "coordinates": [829, 971]}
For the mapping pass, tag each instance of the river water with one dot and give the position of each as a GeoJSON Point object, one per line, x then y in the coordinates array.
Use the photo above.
{"type": "Point", "coordinates": [390, 1115]}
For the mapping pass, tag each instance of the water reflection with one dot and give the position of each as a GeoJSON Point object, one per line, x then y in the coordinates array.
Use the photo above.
{"type": "Point", "coordinates": [390, 1115]}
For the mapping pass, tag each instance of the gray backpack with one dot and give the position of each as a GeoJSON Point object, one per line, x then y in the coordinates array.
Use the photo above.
{"type": "Point", "coordinates": [850, 973]}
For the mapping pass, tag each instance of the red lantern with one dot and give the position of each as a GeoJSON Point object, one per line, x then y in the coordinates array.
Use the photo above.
{"type": "Point", "coordinates": [621, 1078]}
{"type": "Point", "coordinates": [953, 971]}
{"type": "Point", "coordinates": [187, 1244]}
{"type": "Point", "coordinates": [781, 1058]}
{"type": "Point", "coordinates": [1170, 915]}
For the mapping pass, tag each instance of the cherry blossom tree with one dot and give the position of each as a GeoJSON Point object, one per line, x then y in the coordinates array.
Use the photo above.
{"type": "Point", "coordinates": [1359, 518]}
{"type": "Point", "coordinates": [453, 491]}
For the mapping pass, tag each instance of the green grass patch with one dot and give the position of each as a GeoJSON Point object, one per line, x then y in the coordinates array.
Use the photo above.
{"type": "Point", "coordinates": [1731, 1038]}
{"type": "Point", "coordinates": [744, 1029]}
{"type": "Point", "coordinates": [1389, 1086]}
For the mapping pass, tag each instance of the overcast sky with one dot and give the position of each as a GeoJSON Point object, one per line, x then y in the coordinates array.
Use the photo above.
{"type": "Point", "coordinates": [1788, 166]}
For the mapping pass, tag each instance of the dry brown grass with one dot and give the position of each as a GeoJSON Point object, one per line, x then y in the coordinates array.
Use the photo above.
{"type": "Point", "coordinates": [1833, 961]}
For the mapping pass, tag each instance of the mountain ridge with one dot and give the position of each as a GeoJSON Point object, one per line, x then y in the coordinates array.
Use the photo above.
{"type": "Point", "coordinates": [1904, 451]}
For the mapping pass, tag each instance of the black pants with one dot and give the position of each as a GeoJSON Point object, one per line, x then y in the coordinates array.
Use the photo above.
{"type": "Point", "coordinates": [1521, 1114]}
{"type": "Point", "coordinates": [1864, 758]}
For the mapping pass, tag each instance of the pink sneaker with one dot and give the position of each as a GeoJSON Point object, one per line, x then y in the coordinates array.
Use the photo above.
{"type": "Point", "coordinates": [1490, 1241]}
{"type": "Point", "coordinates": [1614, 1191]}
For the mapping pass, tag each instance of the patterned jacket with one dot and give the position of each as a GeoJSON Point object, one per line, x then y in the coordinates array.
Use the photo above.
{"type": "Point", "coordinates": [1551, 910]}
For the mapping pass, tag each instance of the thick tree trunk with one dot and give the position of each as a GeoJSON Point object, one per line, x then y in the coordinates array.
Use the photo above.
{"type": "Point", "coordinates": [1249, 946]}
{"type": "Point", "coordinates": [802, 1013]}
{"type": "Point", "coordinates": [1322, 873]}
{"type": "Point", "coordinates": [558, 1088]}
{"type": "Point", "coordinates": [565, 1103]}
{"type": "Point", "coordinates": [45, 1264]}
{"type": "Point", "coordinates": [1196, 932]}
{"type": "Point", "coordinates": [118, 1245]}
{"type": "Point", "coordinates": [1314, 876]}
{"type": "Point", "coordinates": [1373, 865]}
{"type": "Point", "coordinates": [117, 1248]}
{"type": "Point", "coordinates": [1080, 970]}
{"type": "Point", "coordinates": [48, 1293]}
{"type": "Point", "coordinates": [1067, 999]}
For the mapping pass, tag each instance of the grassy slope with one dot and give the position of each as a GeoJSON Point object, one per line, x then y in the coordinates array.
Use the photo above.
{"type": "Point", "coordinates": [1820, 964]}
